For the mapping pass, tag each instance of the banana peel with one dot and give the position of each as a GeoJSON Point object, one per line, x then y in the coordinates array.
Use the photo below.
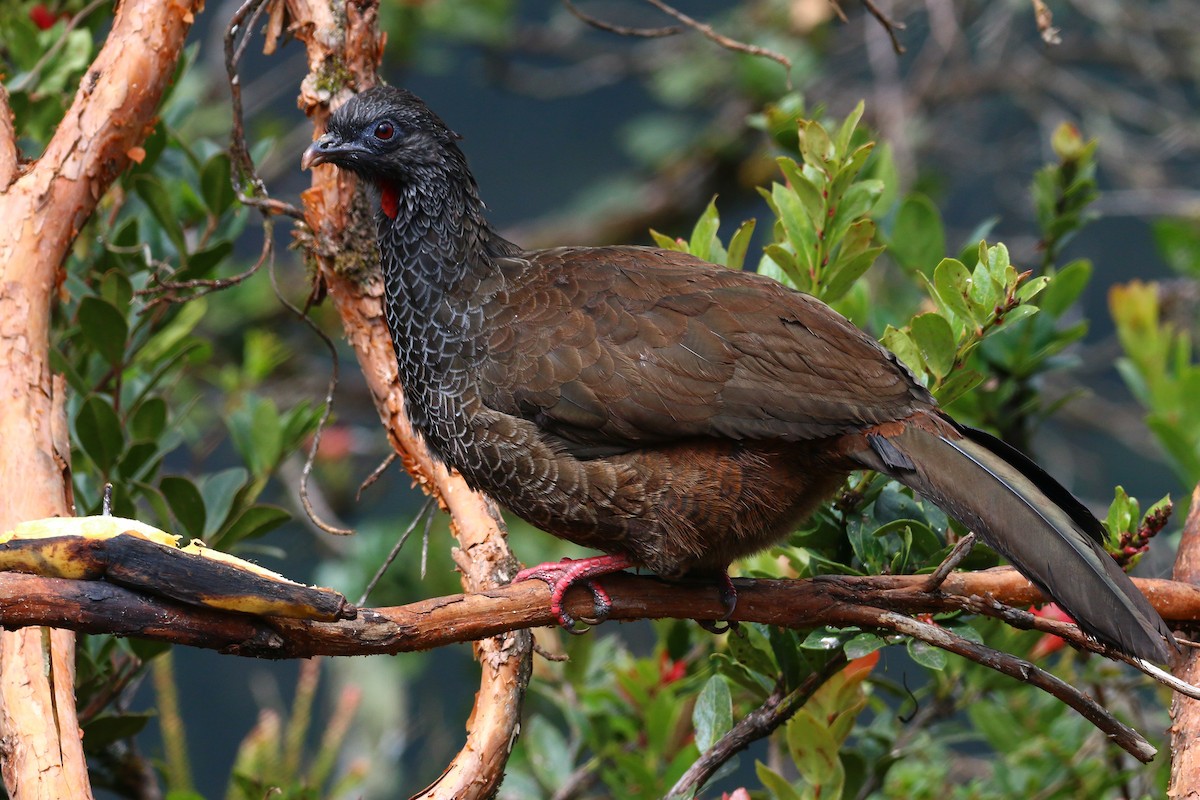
{"type": "Point", "coordinates": [137, 556]}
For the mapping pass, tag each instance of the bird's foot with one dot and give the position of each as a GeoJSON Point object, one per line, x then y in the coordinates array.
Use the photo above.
{"type": "Point", "coordinates": [728, 602]}
{"type": "Point", "coordinates": [562, 575]}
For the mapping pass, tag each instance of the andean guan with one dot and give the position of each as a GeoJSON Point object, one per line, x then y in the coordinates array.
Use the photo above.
{"type": "Point", "coordinates": [672, 413]}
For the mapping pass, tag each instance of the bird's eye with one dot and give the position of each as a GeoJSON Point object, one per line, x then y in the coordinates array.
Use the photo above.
{"type": "Point", "coordinates": [385, 130]}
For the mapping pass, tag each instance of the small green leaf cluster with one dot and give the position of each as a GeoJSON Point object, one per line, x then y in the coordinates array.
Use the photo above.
{"type": "Point", "coordinates": [623, 719]}
{"type": "Point", "coordinates": [816, 735]}
{"type": "Point", "coordinates": [824, 238]}
{"type": "Point", "coordinates": [1162, 372]}
{"type": "Point", "coordinates": [705, 241]}
{"type": "Point", "coordinates": [42, 65]}
{"type": "Point", "coordinates": [1063, 191]}
{"type": "Point", "coordinates": [971, 304]}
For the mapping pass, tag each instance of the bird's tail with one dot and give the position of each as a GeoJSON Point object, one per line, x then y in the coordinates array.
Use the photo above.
{"type": "Point", "coordinates": [1029, 518]}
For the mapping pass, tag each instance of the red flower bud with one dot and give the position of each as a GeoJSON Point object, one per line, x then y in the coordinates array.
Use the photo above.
{"type": "Point", "coordinates": [43, 17]}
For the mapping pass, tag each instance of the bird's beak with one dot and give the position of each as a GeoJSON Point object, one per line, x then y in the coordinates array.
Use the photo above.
{"type": "Point", "coordinates": [321, 151]}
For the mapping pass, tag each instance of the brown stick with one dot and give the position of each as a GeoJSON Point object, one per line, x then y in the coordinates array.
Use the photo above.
{"type": "Point", "coordinates": [776, 710]}
{"type": "Point", "coordinates": [45, 208]}
{"type": "Point", "coordinates": [1185, 712]}
{"type": "Point", "coordinates": [99, 607]}
{"type": "Point", "coordinates": [341, 226]}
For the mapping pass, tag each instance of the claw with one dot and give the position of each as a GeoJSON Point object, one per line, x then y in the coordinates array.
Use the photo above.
{"type": "Point", "coordinates": [562, 575]}
{"type": "Point", "coordinates": [728, 602]}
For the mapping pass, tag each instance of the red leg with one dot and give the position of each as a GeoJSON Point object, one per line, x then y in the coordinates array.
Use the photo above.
{"type": "Point", "coordinates": [562, 575]}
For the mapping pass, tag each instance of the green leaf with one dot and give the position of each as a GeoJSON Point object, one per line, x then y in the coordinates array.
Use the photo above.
{"type": "Point", "coordinates": [158, 201]}
{"type": "Point", "coordinates": [808, 192]}
{"type": "Point", "coordinates": [952, 283]}
{"type": "Point", "coordinates": [863, 645]}
{"type": "Point", "coordinates": [918, 240]}
{"type": "Point", "coordinates": [775, 783]}
{"type": "Point", "coordinates": [107, 729]}
{"type": "Point", "coordinates": [149, 420]}
{"type": "Point", "coordinates": [780, 264]}
{"type": "Point", "coordinates": [798, 227]}
{"type": "Point", "coordinates": [255, 521]}
{"type": "Point", "coordinates": [104, 328]}
{"type": "Point", "coordinates": [257, 434]}
{"type": "Point", "coordinates": [99, 432]}
{"type": "Point", "coordinates": [739, 245]}
{"type": "Point", "coordinates": [855, 256]}
{"type": "Point", "coordinates": [926, 654]}
{"type": "Point", "coordinates": [823, 639]}
{"type": "Point", "coordinates": [202, 263]}
{"type": "Point", "coordinates": [814, 749]}
{"type": "Point", "coordinates": [1032, 288]}
{"type": "Point", "coordinates": [846, 132]}
{"type": "Point", "coordinates": [216, 184]}
{"type": "Point", "coordinates": [1065, 287]}
{"type": "Point", "coordinates": [905, 349]}
{"type": "Point", "coordinates": [549, 753]}
{"type": "Point", "coordinates": [1178, 242]}
{"type": "Point", "coordinates": [219, 491]}
{"type": "Point", "coordinates": [751, 646]}
{"type": "Point", "coordinates": [667, 242]}
{"type": "Point", "coordinates": [700, 245]}
{"type": "Point", "coordinates": [958, 384]}
{"type": "Point", "coordinates": [186, 503]}
{"type": "Point", "coordinates": [712, 716]}
{"type": "Point", "coordinates": [933, 337]}
{"type": "Point", "coordinates": [815, 146]}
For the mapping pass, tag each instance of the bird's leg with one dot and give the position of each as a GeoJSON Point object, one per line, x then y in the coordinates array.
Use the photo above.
{"type": "Point", "coordinates": [728, 602]}
{"type": "Point", "coordinates": [562, 575]}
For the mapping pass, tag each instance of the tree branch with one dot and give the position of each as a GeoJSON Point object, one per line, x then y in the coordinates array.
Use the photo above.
{"type": "Point", "coordinates": [871, 602]}
{"type": "Point", "coordinates": [343, 248]}
{"type": "Point", "coordinates": [100, 607]}
{"type": "Point", "coordinates": [1185, 712]}
{"type": "Point", "coordinates": [46, 207]}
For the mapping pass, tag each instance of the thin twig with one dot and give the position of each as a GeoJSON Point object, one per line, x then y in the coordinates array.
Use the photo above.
{"type": "Point", "coordinates": [165, 291]}
{"type": "Point", "coordinates": [249, 186]}
{"type": "Point", "coordinates": [243, 174]}
{"type": "Point", "coordinates": [890, 25]}
{"type": "Point", "coordinates": [1072, 634]}
{"type": "Point", "coordinates": [376, 474]}
{"type": "Point", "coordinates": [546, 654]}
{"type": "Point", "coordinates": [724, 41]}
{"type": "Point", "coordinates": [620, 30]}
{"type": "Point", "coordinates": [1122, 735]}
{"type": "Point", "coordinates": [961, 550]}
{"type": "Point", "coordinates": [327, 411]}
{"type": "Point", "coordinates": [776, 710]}
{"type": "Point", "coordinates": [391, 556]}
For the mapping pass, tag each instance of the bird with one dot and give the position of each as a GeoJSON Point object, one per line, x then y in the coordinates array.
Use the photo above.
{"type": "Point", "coordinates": [673, 414]}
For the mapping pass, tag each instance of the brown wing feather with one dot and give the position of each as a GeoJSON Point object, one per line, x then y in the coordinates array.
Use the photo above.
{"type": "Point", "coordinates": [621, 347]}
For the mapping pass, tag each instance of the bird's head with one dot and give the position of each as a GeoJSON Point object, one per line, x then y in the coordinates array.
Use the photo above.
{"type": "Point", "coordinates": [386, 135]}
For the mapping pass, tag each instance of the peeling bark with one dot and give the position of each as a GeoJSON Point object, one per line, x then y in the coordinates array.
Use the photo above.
{"type": "Point", "coordinates": [345, 53]}
{"type": "Point", "coordinates": [1185, 712]}
{"type": "Point", "coordinates": [44, 208]}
